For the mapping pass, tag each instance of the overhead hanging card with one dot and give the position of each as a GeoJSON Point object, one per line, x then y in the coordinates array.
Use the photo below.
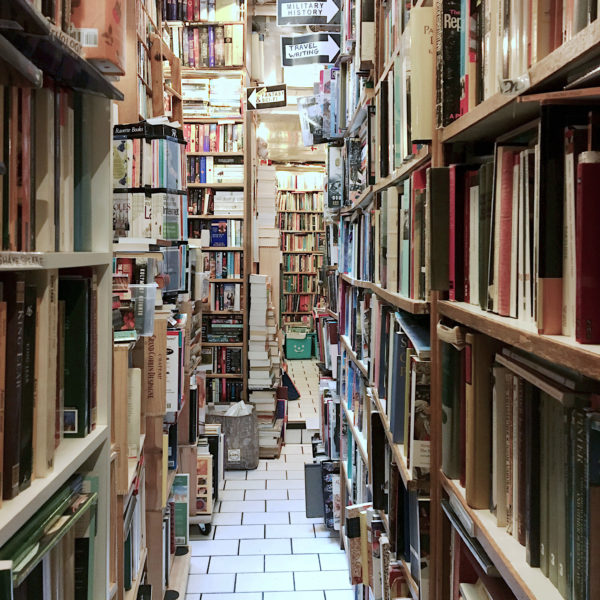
{"type": "Point", "coordinates": [321, 48]}
{"type": "Point", "coordinates": [300, 12]}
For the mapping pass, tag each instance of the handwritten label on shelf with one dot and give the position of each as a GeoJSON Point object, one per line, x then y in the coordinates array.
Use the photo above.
{"type": "Point", "coordinates": [516, 85]}
{"type": "Point", "coordinates": [21, 260]}
{"type": "Point", "coordinates": [300, 12]}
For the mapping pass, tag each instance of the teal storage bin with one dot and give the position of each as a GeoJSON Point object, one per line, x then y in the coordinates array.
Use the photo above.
{"type": "Point", "coordinates": [299, 348]}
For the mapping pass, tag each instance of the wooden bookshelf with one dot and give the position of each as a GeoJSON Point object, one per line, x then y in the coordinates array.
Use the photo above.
{"type": "Point", "coordinates": [215, 153]}
{"type": "Point", "coordinates": [359, 438]}
{"type": "Point", "coordinates": [217, 186]}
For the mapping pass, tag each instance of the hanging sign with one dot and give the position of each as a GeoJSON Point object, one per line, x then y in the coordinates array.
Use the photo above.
{"type": "Point", "coordinates": [320, 48]}
{"type": "Point", "coordinates": [301, 12]}
{"type": "Point", "coordinates": [266, 96]}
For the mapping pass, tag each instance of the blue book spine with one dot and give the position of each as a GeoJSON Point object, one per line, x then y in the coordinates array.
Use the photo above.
{"type": "Point", "coordinates": [205, 139]}
{"type": "Point", "coordinates": [203, 169]}
{"type": "Point", "coordinates": [211, 46]}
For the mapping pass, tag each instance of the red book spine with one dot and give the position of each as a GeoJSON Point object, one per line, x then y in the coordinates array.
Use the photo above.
{"type": "Point", "coordinates": [196, 10]}
{"type": "Point", "coordinates": [187, 136]}
{"type": "Point", "coordinates": [506, 231]}
{"type": "Point", "coordinates": [197, 47]}
{"type": "Point", "coordinates": [587, 216]}
{"type": "Point", "coordinates": [190, 10]}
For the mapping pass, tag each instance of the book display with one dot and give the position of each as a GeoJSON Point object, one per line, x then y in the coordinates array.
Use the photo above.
{"type": "Point", "coordinates": [302, 234]}
{"type": "Point", "coordinates": [467, 436]}
{"type": "Point", "coordinates": [55, 359]}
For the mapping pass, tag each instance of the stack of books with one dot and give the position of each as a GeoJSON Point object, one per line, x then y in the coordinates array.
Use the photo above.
{"type": "Point", "coordinates": [229, 204]}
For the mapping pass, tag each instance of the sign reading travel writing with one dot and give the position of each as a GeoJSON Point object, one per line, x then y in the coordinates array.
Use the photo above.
{"type": "Point", "coordinates": [321, 48]}
{"type": "Point", "coordinates": [266, 96]}
{"type": "Point", "coordinates": [301, 12]}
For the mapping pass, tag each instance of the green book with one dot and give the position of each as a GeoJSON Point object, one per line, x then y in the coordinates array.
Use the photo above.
{"type": "Point", "coordinates": [75, 292]}
{"type": "Point", "coordinates": [85, 534]}
{"type": "Point", "coordinates": [181, 495]}
{"type": "Point", "coordinates": [451, 385]}
{"type": "Point", "coordinates": [6, 585]}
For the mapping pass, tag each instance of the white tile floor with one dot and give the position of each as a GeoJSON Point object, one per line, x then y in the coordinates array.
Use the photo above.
{"type": "Point", "coordinates": [262, 546]}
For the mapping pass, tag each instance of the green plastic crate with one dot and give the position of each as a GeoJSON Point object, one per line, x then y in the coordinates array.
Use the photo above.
{"type": "Point", "coordinates": [299, 348]}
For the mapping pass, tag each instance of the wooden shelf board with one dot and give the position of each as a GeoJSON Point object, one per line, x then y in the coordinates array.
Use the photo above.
{"type": "Point", "coordinates": [214, 217]}
{"type": "Point", "coordinates": [500, 113]}
{"type": "Point", "coordinates": [560, 349]}
{"type": "Point", "coordinates": [311, 212]}
{"type": "Point", "coordinates": [527, 583]}
{"type": "Point", "coordinates": [360, 113]}
{"type": "Point", "coordinates": [217, 186]}
{"type": "Point", "coordinates": [361, 366]}
{"type": "Point", "coordinates": [232, 280]}
{"type": "Point", "coordinates": [302, 252]}
{"type": "Point", "coordinates": [407, 304]}
{"type": "Point", "coordinates": [215, 154]}
{"type": "Point", "coordinates": [226, 344]}
{"type": "Point", "coordinates": [180, 570]}
{"type": "Point", "coordinates": [224, 375]}
{"type": "Point", "coordinates": [296, 312]}
{"type": "Point", "coordinates": [69, 456]}
{"type": "Point", "coordinates": [362, 201]}
{"type": "Point", "coordinates": [359, 438]}
{"type": "Point", "coordinates": [131, 594]}
{"type": "Point", "coordinates": [132, 464]}
{"type": "Point", "coordinates": [412, 584]}
{"type": "Point", "coordinates": [414, 162]}
{"type": "Point", "coordinates": [222, 249]}
{"type": "Point", "coordinates": [300, 231]}
{"type": "Point", "coordinates": [11, 261]}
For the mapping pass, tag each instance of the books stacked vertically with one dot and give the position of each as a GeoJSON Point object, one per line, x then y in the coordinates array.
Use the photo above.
{"type": "Point", "coordinates": [211, 46]}
{"type": "Point", "coordinates": [493, 53]}
{"type": "Point", "coordinates": [214, 137]}
{"type": "Point", "coordinates": [535, 434]}
{"type": "Point", "coordinates": [202, 10]}
{"type": "Point", "coordinates": [228, 203]}
{"type": "Point", "coordinates": [149, 182]}
{"type": "Point", "coordinates": [266, 205]}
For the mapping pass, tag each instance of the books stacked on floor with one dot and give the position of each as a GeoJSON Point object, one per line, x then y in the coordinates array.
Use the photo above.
{"type": "Point", "coordinates": [266, 205]}
{"type": "Point", "coordinates": [214, 137]}
{"type": "Point", "coordinates": [203, 10]}
{"type": "Point", "coordinates": [270, 435]}
{"type": "Point", "coordinates": [262, 349]}
{"type": "Point", "coordinates": [265, 403]}
{"type": "Point", "coordinates": [207, 46]}
{"type": "Point", "coordinates": [217, 98]}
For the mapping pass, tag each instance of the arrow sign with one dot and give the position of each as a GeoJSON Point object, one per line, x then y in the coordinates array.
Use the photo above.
{"type": "Point", "coordinates": [321, 48]}
{"type": "Point", "coordinates": [266, 96]}
{"type": "Point", "coordinates": [302, 12]}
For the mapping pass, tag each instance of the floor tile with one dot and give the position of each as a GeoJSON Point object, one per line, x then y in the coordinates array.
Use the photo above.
{"type": "Point", "coordinates": [291, 531]}
{"type": "Point", "coordinates": [322, 580]}
{"type": "Point", "coordinates": [296, 474]}
{"type": "Point", "coordinates": [339, 595]}
{"type": "Point", "coordinates": [244, 506]}
{"type": "Point", "coordinates": [296, 494]}
{"type": "Point", "coordinates": [266, 474]}
{"type": "Point", "coordinates": [192, 597]}
{"type": "Point", "coordinates": [285, 505]}
{"type": "Point", "coordinates": [237, 564]}
{"type": "Point", "coordinates": [316, 545]}
{"type": "Point", "coordinates": [293, 596]}
{"type": "Point", "coordinates": [322, 531]}
{"type": "Point", "coordinates": [267, 495]}
{"type": "Point", "coordinates": [263, 546]}
{"type": "Point", "coordinates": [207, 584]}
{"type": "Point", "coordinates": [271, 518]}
{"type": "Point", "coordinates": [285, 484]}
{"type": "Point", "coordinates": [294, 459]}
{"type": "Point", "coordinates": [235, 475]}
{"type": "Point", "coordinates": [296, 466]}
{"type": "Point", "coordinates": [198, 564]}
{"type": "Point", "coordinates": [292, 562]}
{"type": "Point", "coordinates": [231, 495]}
{"type": "Point", "coordinates": [264, 582]}
{"type": "Point", "coordinates": [214, 547]}
{"type": "Point", "coordinates": [300, 517]}
{"type": "Point", "coordinates": [239, 532]}
{"type": "Point", "coordinates": [245, 485]}
{"type": "Point", "coordinates": [227, 519]}
{"type": "Point", "coordinates": [333, 562]}
{"type": "Point", "coordinates": [255, 596]}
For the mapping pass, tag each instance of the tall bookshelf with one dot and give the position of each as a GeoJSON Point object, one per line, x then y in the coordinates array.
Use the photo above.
{"type": "Point", "coordinates": [56, 233]}
{"type": "Point", "coordinates": [504, 324]}
{"type": "Point", "coordinates": [218, 134]}
{"type": "Point", "coordinates": [302, 232]}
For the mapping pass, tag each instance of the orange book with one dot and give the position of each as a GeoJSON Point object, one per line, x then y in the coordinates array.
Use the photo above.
{"type": "Point", "coordinates": [100, 27]}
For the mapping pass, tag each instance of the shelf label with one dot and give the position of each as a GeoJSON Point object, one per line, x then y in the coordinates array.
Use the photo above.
{"type": "Point", "coordinates": [314, 48]}
{"type": "Point", "coordinates": [266, 96]}
{"type": "Point", "coordinates": [300, 12]}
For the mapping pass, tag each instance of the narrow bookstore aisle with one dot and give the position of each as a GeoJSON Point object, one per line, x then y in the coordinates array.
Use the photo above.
{"type": "Point", "coordinates": [305, 376]}
{"type": "Point", "coordinates": [262, 546]}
